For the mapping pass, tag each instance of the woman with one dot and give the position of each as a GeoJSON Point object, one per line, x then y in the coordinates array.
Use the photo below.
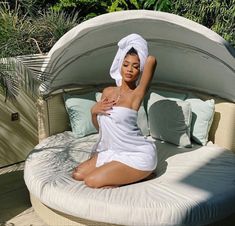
{"type": "Point", "coordinates": [122, 155]}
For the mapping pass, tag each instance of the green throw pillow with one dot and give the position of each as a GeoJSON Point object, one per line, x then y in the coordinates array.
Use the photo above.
{"type": "Point", "coordinates": [162, 94]}
{"type": "Point", "coordinates": [170, 121]}
{"type": "Point", "coordinates": [78, 108]}
{"type": "Point", "coordinates": [202, 117]}
{"type": "Point", "coordinates": [171, 95]}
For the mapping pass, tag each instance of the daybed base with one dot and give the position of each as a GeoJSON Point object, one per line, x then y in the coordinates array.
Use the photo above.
{"type": "Point", "coordinates": [53, 217]}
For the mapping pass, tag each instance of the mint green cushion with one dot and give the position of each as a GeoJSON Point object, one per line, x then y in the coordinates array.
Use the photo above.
{"type": "Point", "coordinates": [170, 120]}
{"type": "Point", "coordinates": [171, 95]}
{"type": "Point", "coordinates": [142, 121]}
{"type": "Point", "coordinates": [154, 97]}
{"type": "Point", "coordinates": [202, 117]}
{"type": "Point", "coordinates": [78, 108]}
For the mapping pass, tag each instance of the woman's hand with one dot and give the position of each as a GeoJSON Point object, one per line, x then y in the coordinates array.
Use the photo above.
{"type": "Point", "coordinates": [102, 107]}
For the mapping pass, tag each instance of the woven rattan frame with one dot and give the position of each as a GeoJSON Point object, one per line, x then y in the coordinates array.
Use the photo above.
{"type": "Point", "coordinates": [53, 217]}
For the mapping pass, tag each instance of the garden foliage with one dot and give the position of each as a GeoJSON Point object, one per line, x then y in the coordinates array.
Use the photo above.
{"type": "Point", "coordinates": [33, 26]}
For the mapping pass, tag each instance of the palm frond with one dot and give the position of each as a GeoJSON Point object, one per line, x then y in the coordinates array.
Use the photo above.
{"type": "Point", "coordinates": [8, 81]}
{"type": "Point", "coordinates": [23, 72]}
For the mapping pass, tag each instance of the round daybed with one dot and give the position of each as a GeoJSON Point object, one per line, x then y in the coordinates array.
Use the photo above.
{"type": "Point", "coordinates": [194, 184]}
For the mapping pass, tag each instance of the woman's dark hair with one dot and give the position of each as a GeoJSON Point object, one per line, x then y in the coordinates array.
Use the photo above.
{"type": "Point", "coordinates": [132, 51]}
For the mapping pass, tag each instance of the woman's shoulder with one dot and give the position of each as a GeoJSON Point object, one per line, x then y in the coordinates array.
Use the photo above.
{"type": "Point", "coordinates": [109, 90]}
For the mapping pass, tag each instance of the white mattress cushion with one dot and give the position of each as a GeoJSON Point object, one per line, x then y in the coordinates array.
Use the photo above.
{"type": "Point", "coordinates": [193, 186]}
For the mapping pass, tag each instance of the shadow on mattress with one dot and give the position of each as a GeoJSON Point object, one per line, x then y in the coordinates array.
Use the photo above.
{"type": "Point", "coordinates": [217, 181]}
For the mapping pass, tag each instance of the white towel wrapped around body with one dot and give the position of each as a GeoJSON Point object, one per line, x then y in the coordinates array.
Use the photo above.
{"type": "Point", "coordinates": [121, 140]}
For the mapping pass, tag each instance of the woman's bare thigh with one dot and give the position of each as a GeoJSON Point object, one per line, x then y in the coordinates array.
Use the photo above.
{"type": "Point", "coordinates": [85, 168]}
{"type": "Point", "coordinates": [114, 174]}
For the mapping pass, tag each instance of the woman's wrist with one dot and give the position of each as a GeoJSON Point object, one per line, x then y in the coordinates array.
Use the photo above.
{"type": "Point", "coordinates": [93, 111]}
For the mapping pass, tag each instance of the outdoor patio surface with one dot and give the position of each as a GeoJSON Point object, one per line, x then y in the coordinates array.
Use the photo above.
{"type": "Point", "coordinates": [15, 206]}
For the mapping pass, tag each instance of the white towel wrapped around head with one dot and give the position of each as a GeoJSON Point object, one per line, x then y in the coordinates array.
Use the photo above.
{"type": "Point", "coordinates": [125, 44]}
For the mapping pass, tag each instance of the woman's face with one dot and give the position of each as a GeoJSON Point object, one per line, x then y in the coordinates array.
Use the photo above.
{"type": "Point", "coordinates": [130, 68]}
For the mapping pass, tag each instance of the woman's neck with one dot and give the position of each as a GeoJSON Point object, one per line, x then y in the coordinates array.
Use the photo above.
{"type": "Point", "coordinates": [127, 87]}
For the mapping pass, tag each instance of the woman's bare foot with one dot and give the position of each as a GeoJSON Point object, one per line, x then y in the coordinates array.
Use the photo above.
{"type": "Point", "coordinates": [84, 168]}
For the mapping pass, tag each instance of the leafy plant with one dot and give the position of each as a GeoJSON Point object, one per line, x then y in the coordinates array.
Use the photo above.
{"type": "Point", "coordinates": [8, 81]}
{"type": "Point", "coordinates": [161, 5]}
{"type": "Point", "coordinates": [51, 26]}
{"type": "Point", "coordinates": [31, 8]}
{"type": "Point", "coordinates": [21, 35]}
{"type": "Point", "coordinates": [118, 5]}
{"type": "Point", "coordinates": [86, 9]}
{"type": "Point", "coordinates": [14, 32]}
{"type": "Point", "coordinates": [218, 15]}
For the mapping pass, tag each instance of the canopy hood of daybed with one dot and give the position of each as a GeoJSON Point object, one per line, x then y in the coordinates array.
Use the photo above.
{"type": "Point", "coordinates": [189, 55]}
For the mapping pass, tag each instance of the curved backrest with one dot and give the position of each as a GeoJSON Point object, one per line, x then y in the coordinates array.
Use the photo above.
{"type": "Point", "coordinates": [189, 54]}
{"type": "Point", "coordinates": [53, 119]}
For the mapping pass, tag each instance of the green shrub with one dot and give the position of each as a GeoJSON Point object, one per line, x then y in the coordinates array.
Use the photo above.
{"type": "Point", "coordinates": [217, 15]}
{"type": "Point", "coordinates": [86, 9]}
{"type": "Point", "coordinates": [15, 32]}
{"type": "Point", "coordinates": [50, 26]}
{"type": "Point", "coordinates": [9, 82]}
{"type": "Point", "coordinates": [161, 5]}
{"type": "Point", "coordinates": [23, 34]}
{"type": "Point", "coordinates": [33, 26]}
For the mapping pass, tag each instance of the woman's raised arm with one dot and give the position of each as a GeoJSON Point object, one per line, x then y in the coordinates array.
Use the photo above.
{"type": "Point", "coordinates": [147, 75]}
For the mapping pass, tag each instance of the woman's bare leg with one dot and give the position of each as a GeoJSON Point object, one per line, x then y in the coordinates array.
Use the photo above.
{"type": "Point", "coordinates": [85, 168]}
{"type": "Point", "coordinates": [114, 174]}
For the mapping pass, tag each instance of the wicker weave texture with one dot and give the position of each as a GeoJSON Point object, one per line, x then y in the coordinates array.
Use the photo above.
{"type": "Point", "coordinates": [53, 217]}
